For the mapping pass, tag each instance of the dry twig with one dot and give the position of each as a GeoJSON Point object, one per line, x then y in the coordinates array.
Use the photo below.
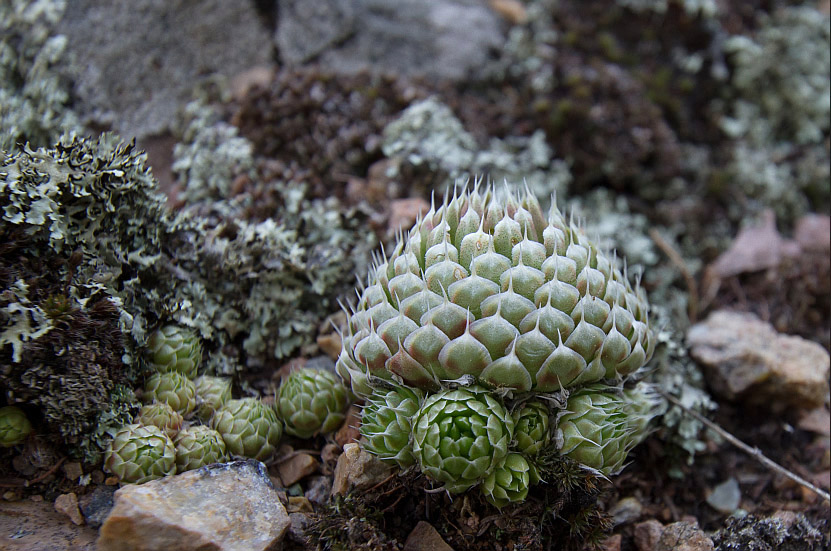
{"type": "Point", "coordinates": [678, 262]}
{"type": "Point", "coordinates": [752, 451]}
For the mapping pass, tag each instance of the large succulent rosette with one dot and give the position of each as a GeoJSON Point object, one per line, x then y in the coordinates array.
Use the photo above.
{"type": "Point", "coordinates": [495, 290]}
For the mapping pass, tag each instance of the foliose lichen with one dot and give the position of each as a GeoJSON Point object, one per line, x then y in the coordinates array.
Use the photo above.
{"type": "Point", "coordinates": [34, 97]}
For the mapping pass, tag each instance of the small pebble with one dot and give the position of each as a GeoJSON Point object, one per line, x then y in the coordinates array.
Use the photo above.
{"type": "Point", "coordinates": [68, 505]}
{"type": "Point", "coordinates": [725, 497]}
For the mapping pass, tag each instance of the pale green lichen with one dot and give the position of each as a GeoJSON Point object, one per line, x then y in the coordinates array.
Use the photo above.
{"type": "Point", "coordinates": [34, 98]}
{"type": "Point", "coordinates": [704, 8]}
{"type": "Point", "coordinates": [210, 154]}
{"type": "Point", "coordinates": [428, 134]}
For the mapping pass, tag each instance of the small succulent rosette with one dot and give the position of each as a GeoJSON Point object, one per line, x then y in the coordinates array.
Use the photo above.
{"type": "Point", "coordinates": [311, 402]}
{"type": "Point", "coordinates": [174, 348]}
{"type": "Point", "coordinates": [138, 454]}
{"type": "Point", "coordinates": [248, 427]}
{"type": "Point", "coordinates": [14, 426]}
{"type": "Point", "coordinates": [387, 424]}
{"type": "Point", "coordinates": [171, 388]}
{"type": "Point", "coordinates": [211, 394]}
{"type": "Point", "coordinates": [198, 446]}
{"type": "Point", "coordinates": [160, 414]}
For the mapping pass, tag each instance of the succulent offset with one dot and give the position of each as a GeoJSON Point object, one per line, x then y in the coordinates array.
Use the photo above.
{"type": "Point", "coordinates": [601, 424]}
{"type": "Point", "coordinates": [139, 454]}
{"type": "Point", "coordinates": [211, 394]}
{"type": "Point", "coordinates": [532, 427]}
{"type": "Point", "coordinates": [174, 348]}
{"type": "Point", "coordinates": [248, 427]}
{"type": "Point", "coordinates": [500, 292]}
{"type": "Point", "coordinates": [311, 401]}
{"type": "Point", "coordinates": [460, 436]}
{"type": "Point", "coordinates": [198, 446]}
{"type": "Point", "coordinates": [173, 389]}
{"type": "Point", "coordinates": [386, 424]}
{"type": "Point", "coordinates": [14, 426]}
{"type": "Point", "coordinates": [161, 415]}
{"type": "Point", "coordinates": [490, 314]}
{"type": "Point", "coordinates": [508, 482]}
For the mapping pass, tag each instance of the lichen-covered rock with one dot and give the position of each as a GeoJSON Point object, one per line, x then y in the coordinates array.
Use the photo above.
{"type": "Point", "coordinates": [229, 507]}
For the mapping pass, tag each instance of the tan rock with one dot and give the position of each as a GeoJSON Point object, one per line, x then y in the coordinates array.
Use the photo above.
{"type": "Point", "coordinates": [73, 470]}
{"type": "Point", "coordinates": [684, 536]}
{"type": "Point", "coordinates": [745, 359]}
{"type": "Point", "coordinates": [350, 431]}
{"type": "Point", "coordinates": [296, 467]}
{"type": "Point", "coordinates": [425, 538]}
{"type": "Point", "coordinates": [68, 505]}
{"type": "Point", "coordinates": [612, 543]}
{"type": "Point", "coordinates": [216, 508]}
{"type": "Point", "coordinates": [299, 504]}
{"type": "Point", "coordinates": [647, 534]}
{"type": "Point", "coordinates": [357, 469]}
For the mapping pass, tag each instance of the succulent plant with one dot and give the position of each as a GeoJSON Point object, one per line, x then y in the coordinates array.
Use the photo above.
{"type": "Point", "coordinates": [160, 414]}
{"type": "Point", "coordinates": [311, 401]}
{"type": "Point", "coordinates": [601, 424]}
{"type": "Point", "coordinates": [495, 290]}
{"type": "Point", "coordinates": [532, 432]}
{"type": "Point", "coordinates": [198, 446]}
{"type": "Point", "coordinates": [173, 389]}
{"type": "Point", "coordinates": [211, 394]}
{"type": "Point", "coordinates": [248, 427]}
{"type": "Point", "coordinates": [174, 348]}
{"type": "Point", "coordinates": [509, 482]}
{"type": "Point", "coordinates": [14, 426]}
{"type": "Point", "coordinates": [139, 453]}
{"type": "Point", "coordinates": [386, 424]}
{"type": "Point", "coordinates": [460, 436]}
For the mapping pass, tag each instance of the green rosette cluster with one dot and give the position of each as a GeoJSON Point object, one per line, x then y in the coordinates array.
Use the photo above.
{"type": "Point", "coordinates": [138, 454]}
{"type": "Point", "coordinates": [248, 427]}
{"type": "Point", "coordinates": [507, 324]}
{"type": "Point", "coordinates": [460, 436]}
{"type": "Point", "coordinates": [14, 426]}
{"type": "Point", "coordinates": [171, 388]}
{"type": "Point", "coordinates": [311, 401]}
{"type": "Point", "coordinates": [386, 424]}
{"type": "Point", "coordinates": [198, 446]}
{"type": "Point", "coordinates": [211, 394]}
{"type": "Point", "coordinates": [174, 348]}
{"type": "Point", "coordinates": [495, 290]}
{"type": "Point", "coordinates": [600, 425]}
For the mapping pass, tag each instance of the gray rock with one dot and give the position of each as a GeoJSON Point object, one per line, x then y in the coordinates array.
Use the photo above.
{"type": "Point", "coordinates": [626, 510]}
{"type": "Point", "coordinates": [745, 359]}
{"type": "Point", "coordinates": [96, 506]}
{"type": "Point", "coordinates": [225, 507]}
{"type": "Point", "coordinates": [297, 530]}
{"type": "Point", "coordinates": [134, 63]}
{"type": "Point", "coordinates": [440, 38]}
{"type": "Point", "coordinates": [725, 497]}
{"type": "Point", "coordinates": [319, 489]}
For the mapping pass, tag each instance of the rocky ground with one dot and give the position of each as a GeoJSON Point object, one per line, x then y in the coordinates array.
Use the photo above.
{"type": "Point", "coordinates": [692, 137]}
